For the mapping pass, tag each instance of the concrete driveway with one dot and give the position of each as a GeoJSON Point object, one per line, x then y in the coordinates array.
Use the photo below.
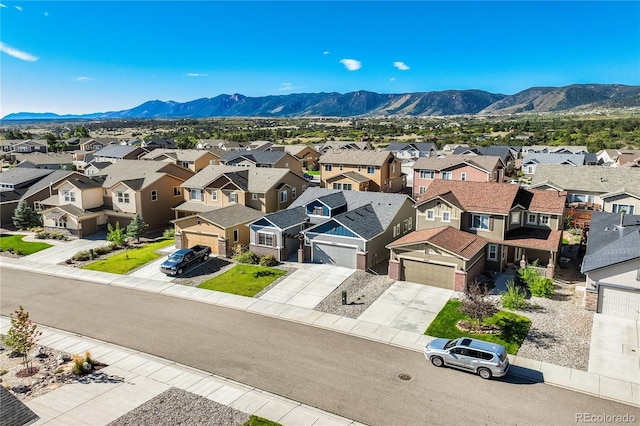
{"type": "Point", "coordinates": [407, 306]}
{"type": "Point", "coordinates": [615, 348]}
{"type": "Point", "coordinates": [152, 270]}
{"type": "Point", "coordinates": [62, 251]}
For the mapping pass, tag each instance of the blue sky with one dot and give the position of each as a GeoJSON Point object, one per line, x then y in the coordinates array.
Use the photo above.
{"type": "Point", "coordinates": [90, 56]}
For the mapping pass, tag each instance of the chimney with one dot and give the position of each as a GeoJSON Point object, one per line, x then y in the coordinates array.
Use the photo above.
{"type": "Point", "coordinates": [621, 219]}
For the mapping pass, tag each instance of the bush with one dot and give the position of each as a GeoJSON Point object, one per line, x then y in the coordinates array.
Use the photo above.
{"type": "Point", "coordinates": [263, 273]}
{"type": "Point", "coordinates": [514, 298]}
{"type": "Point", "coordinates": [542, 287]}
{"type": "Point", "coordinates": [247, 257]}
{"type": "Point", "coordinates": [268, 260]}
{"type": "Point", "coordinates": [169, 233]}
{"type": "Point", "coordinates": [104, 249]}
{"type": "Point", "coordinates": [46, 235]}
{"type": "Point", "coordinates": [81, 256]}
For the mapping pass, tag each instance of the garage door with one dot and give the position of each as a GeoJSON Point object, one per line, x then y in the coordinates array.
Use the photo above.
{"type": "Point", "coordinates": [190, 239]}
{"type": "Point", "coordinates": [620, 303]}
{"type": "Point", "coordinates": [334, 255]}
{"type": "Point", "coordinates": [89, 227]}
{"type": "Point", "coordinates": [427, 273]}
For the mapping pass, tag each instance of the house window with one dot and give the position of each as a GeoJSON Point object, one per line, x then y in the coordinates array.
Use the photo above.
{"type": "Point", "coordinates": [359, 168]}
{"type": "Point", "coordinates": [371, 170]}
{"type": "Point", "coordinates": [620, 208]}
{"type": "Point", "coordinates": [530, 170]}
{"type": "Point", "coordinates": [236, 237]}
{"type": "Point", "coordinates": [60, 222]}
{"type": "Point", "coordinates": [69, 196]}
{"type": "Point", "coordinates": [347, 186]}
{"type": "Point", "coordinates": [37, 206]}
{"type": "Point", "coordinates": [328, 167]}
{"type": "Point", "coordinates": [544, 220]}
{"type": "Point", "coordinates": [515, 217]}
{"type": "Point", "coordinates": [446, 216]}
{"type": "Point", "coordinates": [293, 192]}
{"type": "Point", "coordinates": [123, 197]}
{"type": "Point", "coordinates": [463, 176]}
{"type": "Point", "coordinates": [340, 167]}
{"type": "Point", "coordinates": [493, 252]}
{"type": "Point", "coordinates": [233, 197]}
{"type": "Point", "coordinates": [430, 215]}
{"type": "Point", "coordinates": [283, 197]}
{"type": "Point", "coordinates": [195, 194]}
{"type": "Point", "coordinates": [446, 175]}
{"type": "Point", "coordinates": [532, 218]}
{"type": "Point", "coordinates": [410, 223]}
{"type": "Point", "coordinates": [427, 174]}
{"type": "Point", "coordinates": [214, 195]}
{"type": "Point", "coordinates": [265, 239]}
{"type": "Point", "coordinates": [393, 167]}
{"type": "Point", "coordinates": [176, 191]}
{"type": "Point", "coordinates": [422, 189]}
{"type": "Point", "coordinates": [337, 185]}
{"type": "Point", "coordinates": [406, 225]}
{"type": "Point", "coordinates": [317, 211]}
{"type": "Point", "coordinates": [480, 221]}
{"type": "Point", "coordinates": [396, 230]}
{"type": "Point", "coordinates": [185, 164]}
{"type": "Point", "coordinates": [254, 196]}
{"type": "Point", "coordinates": [154, 195]}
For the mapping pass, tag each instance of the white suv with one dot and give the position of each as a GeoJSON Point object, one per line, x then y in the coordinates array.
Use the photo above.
{"type": "Point", "coordinates": [483, 358]}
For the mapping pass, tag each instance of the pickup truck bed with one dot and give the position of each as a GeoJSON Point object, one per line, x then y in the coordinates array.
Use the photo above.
{"type": "Point", "coordinates": [181, 259]}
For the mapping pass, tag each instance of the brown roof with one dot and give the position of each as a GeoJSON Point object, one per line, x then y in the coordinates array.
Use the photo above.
{"type": "Point", "coordinates": [487, 197]}
{"type": "Point", "coordinates": [356, 157]}
{"type": "Point", "coordinates": [453, 240]}
{"type": "Point", "coordinates": [547, 201]}
{"type": "Point", "coordinates": [483, 162]}
{"type": "Point", "coordinates": [543, 239]}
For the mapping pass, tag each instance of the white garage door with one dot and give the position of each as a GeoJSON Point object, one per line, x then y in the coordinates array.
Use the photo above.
{"type": "Point", "coordinates": [334, 255]}
{"type": "Point", "coordinates": [620, 303]}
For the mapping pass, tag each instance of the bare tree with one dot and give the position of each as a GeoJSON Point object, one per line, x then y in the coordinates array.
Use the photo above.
{"type": "Point", "coordinates": [477, 302]}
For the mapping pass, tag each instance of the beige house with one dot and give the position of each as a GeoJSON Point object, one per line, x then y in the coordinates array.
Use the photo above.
{"type": "Point", "coordinates": [192, 159]}
{"type": "Point", "coordinates": [306, 154]}
{"type": "Point", "coordinates": [376, 171]}
{"type": "Point", "coordinates": [262, 159]}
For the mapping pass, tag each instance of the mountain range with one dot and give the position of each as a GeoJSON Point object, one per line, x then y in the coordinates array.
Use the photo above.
{"type": "Point", "coordinates": [573, 98]}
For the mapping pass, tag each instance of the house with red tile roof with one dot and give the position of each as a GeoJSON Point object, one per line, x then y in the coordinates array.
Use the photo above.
{"type": "Point", "coordinates": [465, 228]}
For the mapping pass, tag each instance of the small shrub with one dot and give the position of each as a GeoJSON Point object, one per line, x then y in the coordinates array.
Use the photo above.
{"type": "Point", "coordinates": [263, 273]}
{"type": "Point", "coordinates": [3, 372]}
{"type": "Point", "coordinates": [87, 357]}
{"type": "Point", "coordinates": [565, 241]}
{"type": "Point", "coordinates": [542, 287]}
{"type": "Point", "coordinates": [247, 257]}
{"type": "Point", "coordinates": [169, 233]}
{"type": "Point", "coordinates": [104, 249]}
{"type": "Point", "coordinates": [77, 364]}
{"type": "Point", "coordinates": [58, 371]}
{"type": "Point", "coordinates": [81, 256]}
{"type": "Point", "coordinates": [514, 298]}
{"type": "Point", "coordinates": [268, 260]}
{"type": "Point", "coordinates": [36, 229]}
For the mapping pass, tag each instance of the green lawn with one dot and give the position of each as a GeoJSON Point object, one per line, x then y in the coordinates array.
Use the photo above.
{"type": "Point", "coordinates": [14, 243]}
{"type": "Point", "coordinates": [314, 173]}
{"type": "Point", "coordinates": [260, 421]}
{"type": "Point", "coordinates": [514, 327]}
{"type": "Point", "coordinates": [130, 259]}
{"type": "Point", "coordinates": [243, 280]}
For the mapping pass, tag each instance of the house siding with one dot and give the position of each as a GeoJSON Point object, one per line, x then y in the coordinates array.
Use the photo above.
{"type": "Point", "coordinates": [423, 223]}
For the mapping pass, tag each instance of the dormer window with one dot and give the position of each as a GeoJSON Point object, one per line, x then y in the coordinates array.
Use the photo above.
{"type": "Point", "coordinates": [328, 167]}
{"type": "Point", "coordinates": [233, 197]}
{"type": "Point", "coordinates": [195, 194]}
{"type": "Point", "coordinates": [318, 211]}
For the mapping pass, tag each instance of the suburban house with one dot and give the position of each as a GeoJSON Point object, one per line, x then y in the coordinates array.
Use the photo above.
{"type": "Point", "coordinates": [40, 193]}
{"type": "Point", "coordinates": [264, 159]}
{"type": "Point", "coordinates": [617, 157]}
{"type": "Point", "coordinates": [192, 159]}
{"type": "Point", "coordinates": [94, 167]}
{"type": "Point", "coordinates": [412, 150]}
{"type": "Point", "coordinates": [221, 200]}
{"type": "Point", "coordinates": [612, 265]}
{"type": "Point", "coordinates": [546, 149]}
{"type": "Point", "coordinates": [14, 183]}
{"type": "Point", "coordinates": [345, 145]}
{"type": "Point", "coordinates": [342, 228]}
{"type": "Point", "coordinates": [114, 153]}
{"type": "Point", "coordinates": [589, 188]}
{"type": "Point", "coordinates": [531, 161]}
{"type": "Point", "coordinates": [154, 143]}
{"type": "Point", "coordinates": [95, 144]}
{"type": "Point", "coordinates": [515, 224]}
{"type": "Point", "coordinates": [115, 195]}
{"type": "Point", "coordinates": [475, 168]}
{"type": "Point", "coordinates": [306, 154]}
{"type": "Point", "coordinates": [38, 160]}
{"type": "Point", "coordinates": [376, 171]}
{"type": "Point", "coordinates": [29, 146]}
{"type": "Point", "coordinates": [508, 154]}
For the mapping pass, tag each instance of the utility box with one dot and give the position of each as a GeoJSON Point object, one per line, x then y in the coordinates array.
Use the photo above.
{"type": "Point", "coordinates": [344, 297]}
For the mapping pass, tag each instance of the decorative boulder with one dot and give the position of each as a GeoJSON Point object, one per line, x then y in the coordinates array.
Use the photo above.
{"type": "Point", "coordinates": [39, 352]}
{"type": "Point", "coordinates": [86, 366]}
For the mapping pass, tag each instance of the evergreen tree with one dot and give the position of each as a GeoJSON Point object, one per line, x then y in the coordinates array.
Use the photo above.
{"type": "Point", "coordinates": [137, 228]}
{"type": "Point", "coordinates": [24, 217]}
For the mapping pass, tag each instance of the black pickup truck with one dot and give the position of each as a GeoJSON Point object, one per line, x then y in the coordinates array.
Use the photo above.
{"type": "Point", "coordinates": [180, 259]}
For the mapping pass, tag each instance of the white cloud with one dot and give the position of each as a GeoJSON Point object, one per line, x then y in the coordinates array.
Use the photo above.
{"type": "Point", "coordinates": [3, 5]}
{"type": "Point", "coordinates": [326, 52]}
{"type": "Point", "coordinates": [46, 14]}
{"type": "Point", "coordinates": [195, 74]}
{"type": "Point", "coordinates": [351, 64]}
{"type": "Point", "coordinates": [392, 79]}
{"type": "Point", "coordinates": [401, 66]}
{"type": "Point", "coordinates": [17, 53]}
{"type": "Point", "coordinates": [82, 79]}
{"type": "Point", "coordinates": [18, 8]}
{"type": "Point", "coordinates": [286, 86]}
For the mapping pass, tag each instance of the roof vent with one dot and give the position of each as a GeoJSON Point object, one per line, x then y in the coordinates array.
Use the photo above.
{"type": "Point", "coordinates": [606, 228]}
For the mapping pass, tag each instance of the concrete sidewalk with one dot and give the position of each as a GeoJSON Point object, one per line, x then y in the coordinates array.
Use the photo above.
{"type": "Point", "coordinates": [132, 378]}
{"type": "Point", "coordinates": [596, 384]}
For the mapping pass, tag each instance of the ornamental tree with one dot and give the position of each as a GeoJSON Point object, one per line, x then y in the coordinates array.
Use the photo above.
{"type": "Point", "coordinates": [22, 335]}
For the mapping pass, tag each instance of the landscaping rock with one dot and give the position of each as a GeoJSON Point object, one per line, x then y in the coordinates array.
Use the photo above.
{"type": "Point", "coordinates": [21, 389]}
{"type": "Point", "coordinates": [86, 366]}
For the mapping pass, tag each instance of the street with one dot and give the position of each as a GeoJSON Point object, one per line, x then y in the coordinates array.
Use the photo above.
{"type": "Point", "coordinates": [349, 376]}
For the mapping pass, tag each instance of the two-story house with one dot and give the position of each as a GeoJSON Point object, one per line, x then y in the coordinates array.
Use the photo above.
{"type": "Point", "coordinates": [38, 160]}
{"type": "Point", "coordinates": [474, 168]}
{"type": "Point", "coordinates": [345, 145]}
{"type": "Point", "coordinates": [263, 159]}
{"type": "Point", "coordinates": [411, 151]}
{"type": "Point", "coordinates": [115, 153]}
{"type": "Point", "coordinates": [13, 185]}
{"type": "Point", "coordinates": [192, 159]}
{"type": "Point", "coordinates": [513, 222]}
{"type": "Point", "coordinates": [376, 171]}
{"type": "Point", "coordinates": [530, 162]}
{"type": "Point", "coordinates": [508, 154]}
{"type": "Point", "coordinates": [221, 200]}
{"type": "Point", "coordinates": [342, 228]}
{"type": "Point", "coordinates": [305, 154]}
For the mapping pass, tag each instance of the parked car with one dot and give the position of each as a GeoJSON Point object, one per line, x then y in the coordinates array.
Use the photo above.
{"type": "Point", "coordinates": [180, 259]}
{"type": "Point", "coordinates": [483, 358]}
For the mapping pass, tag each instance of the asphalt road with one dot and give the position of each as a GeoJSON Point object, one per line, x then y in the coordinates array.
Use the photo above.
{"type": "Point", "coordinates": [349, 376]}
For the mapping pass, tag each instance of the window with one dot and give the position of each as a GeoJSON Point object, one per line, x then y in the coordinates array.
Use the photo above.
{"type": "Point", "coordinates": [480, 221]}
{"type": "Point", "coordinates": [446, 216]}
{"type": "Point", "coordinates": [427, 174]}
{"type": "Point", "coordinates": [154, 195]}
{"type": "Point", "coordinates": [328, 167]}
{"type": "Point", "coordinates": [422, 189]}
{"type": "Point", "coordinates": [214, 195]}
{"type": "Point", "coordinates": [185, 164]}
{"type": "Point", "coordinates": [265, 239]}
{"type": "Point", "coordinates": [69, 196]}
{"type": "Point", "coordinates": [544, 220]}
{"type": "Point", "coordinates": [176, 191]}
{"type": "Point", "coordinates": [195, 194]}
{"type": "Point", "coordinates": [283, 197]}
{"type": "Point", "coordinates": [532, 218]}
{"type": "Point", "coordinates": [396, 230]}
{"type": "Point", "coordinates": [393, 167]}
{"type": "Point", "coordinates": [122, 197]}
{"type": "Point", "coordinates": [37, 206]}
{"type": "Point", "coordinates": [337, 185]}
{"type": "Point", "coordinates": [407, 224]}
{"type": "Point", "coordinates": [236, 237]}
{"type": "Point", "coordinates": [463, 176]}
{"type": "Point", "coordinates": [233, 197]}
{"type": "Point", "coordinates": [293, 192]}
{"type": "Point", "coordinates": [317, 211]}
{"type": "Point", "coordinates": [430, 215]}
{"type": "Point", "coordinates": [493, 252]}
{"type": "Point", "coordinates": [446, 175]}
{"type": "Point", "coordinates": [515, 217]}
{"type": "Point", "coordinates": [340, 167]}
{"type": "Point", "coordinates": [359, 168]}
{"type": "Point", "coordinates": [347, 186]}
{"type": "Point", "coordinates": [371, 170]}
{"type": "Point", "coordinates": [254, 196]}
{"type": "Point", "coordinates": [60, 222]}
{"type": "Point", "coordinates": [619, 208]}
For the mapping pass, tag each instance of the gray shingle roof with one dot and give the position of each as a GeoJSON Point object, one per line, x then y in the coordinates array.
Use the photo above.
{"type": "Point", "coordinates": [18, 175]}
{"type": "Point", "coordinates": [14, 412]}
{"type": "Point", "coordinates": [587, 178]}
{"type": "Point", "coordinates": [258, 157]}
{"type": "Point", "coordinates": [608, 243]}
{"type": "Point", "coordinates": [355, 157]}
{"type": "Point", "coordinates": [53, 179]}
{"type": "Point", "coordinates": [354, 176]}
{"type": "Point", "coordinates": [148, 171]}
{"type": "Point", "coordinates": [85, 182]}
{"type": "Point", "coordinates": [258, 179]}
{"type": "Point", "coordinates": [116, 151]}
{"type": "Point", "coordinates": [420, 146]}
{"type": "Point", "coordinates": [363, 221]}
{"type": "Point", "coordinates": [227, 217]}
{"type": "Point", "coordinates": [542, 158]}
{"type": "Point", "coordinates": [288, 217]}
{"type": "Point", "coordinates": [178, 154]}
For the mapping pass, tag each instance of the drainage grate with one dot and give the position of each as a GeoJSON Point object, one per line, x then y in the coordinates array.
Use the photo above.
{"type": "Point", "coordinates": [404, 377]}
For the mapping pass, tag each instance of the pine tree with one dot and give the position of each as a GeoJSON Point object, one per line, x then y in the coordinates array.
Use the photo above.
{"type": "Point", "coordinates": [24, 217]}
{"type": "Point", "coordinates": [137, 228]}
